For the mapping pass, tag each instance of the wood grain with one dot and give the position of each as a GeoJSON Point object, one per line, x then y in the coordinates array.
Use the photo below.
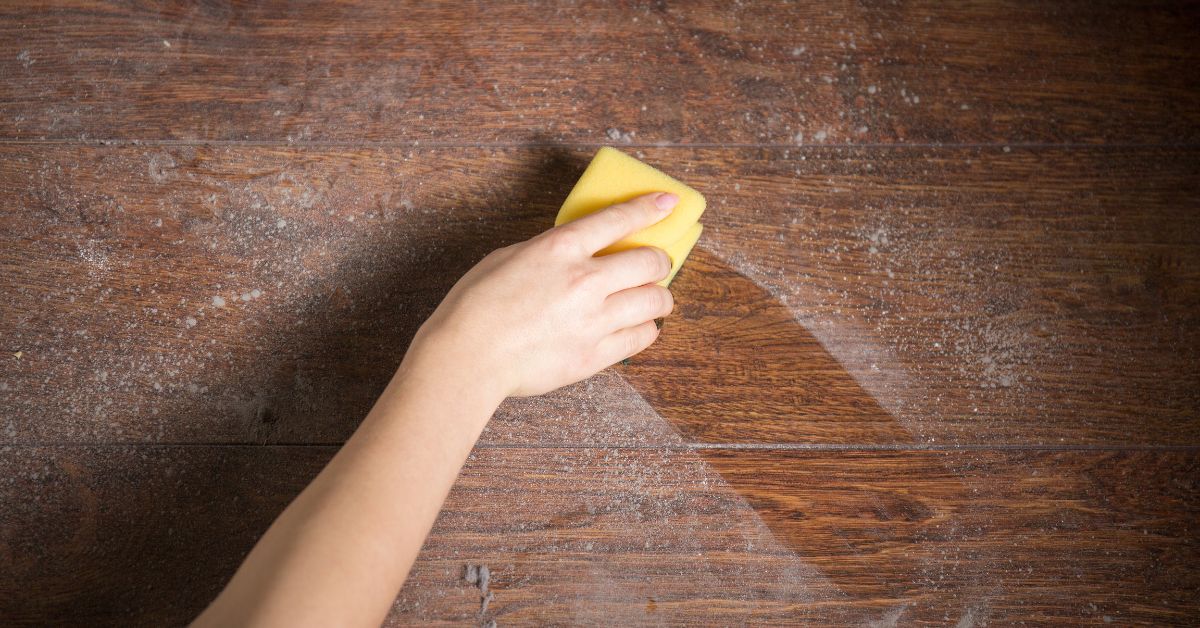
{"type": "Point", "coordinates": [146, 535]}
{"type": "Point", "coordinates": [1008, 537]}
{"type": "Point", "coordinates": [934, 361]}
{"type": "Point", "coordinates": [645, 72]}
{"type": "Point", "coordinates": [936, 296]}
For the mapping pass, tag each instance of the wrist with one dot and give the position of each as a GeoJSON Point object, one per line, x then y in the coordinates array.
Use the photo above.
{"type": "Point", "coordinates": [447, 362]}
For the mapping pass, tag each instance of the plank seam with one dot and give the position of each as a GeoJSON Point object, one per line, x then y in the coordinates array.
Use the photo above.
{"type": "Point", "coordinates": [416, 144]}
{"type": "Point", "coordinates": [814, 447]}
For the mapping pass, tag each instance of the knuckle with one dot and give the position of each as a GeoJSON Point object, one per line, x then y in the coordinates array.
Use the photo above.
{"type": "Point", "coordinates": [652, 258]}
{"type": "Point", "coordinates": [652, 261]}
{"type": "Point", "coordinates": [634, 342]}
{"type": "Point", "coordinates": [647, 335]}
{"type": "Point", "coordinates": [581, 278]}
{"type": "Point", "coordinates": [623, 215]}
{"type": "Point", "coordinates": [654, 300]}
{"type": "Point", "coordinates": [664, 262]}
{"type": "Point", "coordinates": [667, 300]}
{"type": "Point", "coordinates": [564, 242]}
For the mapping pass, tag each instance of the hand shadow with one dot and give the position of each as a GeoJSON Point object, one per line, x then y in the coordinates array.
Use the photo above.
{"type": "Point", "coordinates": [323, 377]}
{"type": "Point", "coordinates": [148, 534]}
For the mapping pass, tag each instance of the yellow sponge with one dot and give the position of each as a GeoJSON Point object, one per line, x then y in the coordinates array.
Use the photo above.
{"type": "Point", "coordinates": [679, 251]}
{"type": "Point", "coordinates": [613, 177]}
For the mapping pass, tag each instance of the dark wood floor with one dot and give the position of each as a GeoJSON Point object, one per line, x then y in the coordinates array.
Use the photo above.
{"type": "Point", "coordinates": [936, 359]}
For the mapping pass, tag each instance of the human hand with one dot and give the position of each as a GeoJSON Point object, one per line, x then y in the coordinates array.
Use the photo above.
{"type": "Point", "coordinates": [544, 313]}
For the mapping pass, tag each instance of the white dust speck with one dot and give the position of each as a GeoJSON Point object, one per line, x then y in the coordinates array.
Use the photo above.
{"type": "Point", "coordinates": [797, 51]}
{"type": "Point", "coordinates": [820, 136]}
{"type": "Point", "coordinates": [218, 301]}
{"type": "Point", "coordinates": [25, 59]}
{"type": "Point", "coordinates": [189, 321]}
{"type": "Point", "coordinates": [166, 44]}
{"type": "Point", "coordinates": [617, 136]}
{"type": "Point", "coordinates": [256, 293]}
{"type": "Point", "coordinates": [872, 89]}
{"type": "Point", "coordinates": [159, 167]}
{"type": "Point", "coordinates": [281, 223]}
{"type": "Point", "coordinates": [878, 239]}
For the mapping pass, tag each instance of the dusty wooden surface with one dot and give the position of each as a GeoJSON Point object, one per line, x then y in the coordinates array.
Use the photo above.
{"type": "Point", "coordinates": [936, 359]}
{"type": "Point", "coordinates": [650, 535]}
{"type": "Point", "coordinates": [693, 72]}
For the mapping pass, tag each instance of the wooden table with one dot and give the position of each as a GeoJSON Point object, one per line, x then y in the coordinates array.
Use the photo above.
{"type": "Point", "coordinates": [934, 361]}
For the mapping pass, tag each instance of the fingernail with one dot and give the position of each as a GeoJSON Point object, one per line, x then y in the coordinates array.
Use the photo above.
{"type": "Point", "coordinates": [658, 322]}
{"type": "Point", "coordinates": [666, 201]}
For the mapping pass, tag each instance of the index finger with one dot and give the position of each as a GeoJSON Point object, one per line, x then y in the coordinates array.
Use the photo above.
{"type": "Point", "coordinates": [600, 229]}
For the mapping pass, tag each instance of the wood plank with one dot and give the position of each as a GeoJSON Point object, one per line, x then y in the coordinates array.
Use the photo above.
{"type": "Point", "coordinates": [991, 296]}
{"type": "Point", "coordinates": [696, 72]}
{"type": "Point", "coordinates": [1044, 537]}
{"type": "Point", "coordinates": [939, 296]}
{"type": "Point", "coordinates": [145, 535]}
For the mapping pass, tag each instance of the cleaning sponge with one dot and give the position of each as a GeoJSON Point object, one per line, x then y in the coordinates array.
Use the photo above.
{"type": "Point", "coordinates": [679, 250]}
{"type": "Point", "coordinates": [613, 177]}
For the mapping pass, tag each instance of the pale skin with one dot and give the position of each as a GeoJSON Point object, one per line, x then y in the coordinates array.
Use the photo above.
{"type": "Point", "coordinates": [528, 319]}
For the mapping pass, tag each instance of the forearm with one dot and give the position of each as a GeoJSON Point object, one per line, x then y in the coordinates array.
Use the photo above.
{"type": "Point", "coordinates": [525, 320]}
{"type": "Point", "coordinates": [341, 550]}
